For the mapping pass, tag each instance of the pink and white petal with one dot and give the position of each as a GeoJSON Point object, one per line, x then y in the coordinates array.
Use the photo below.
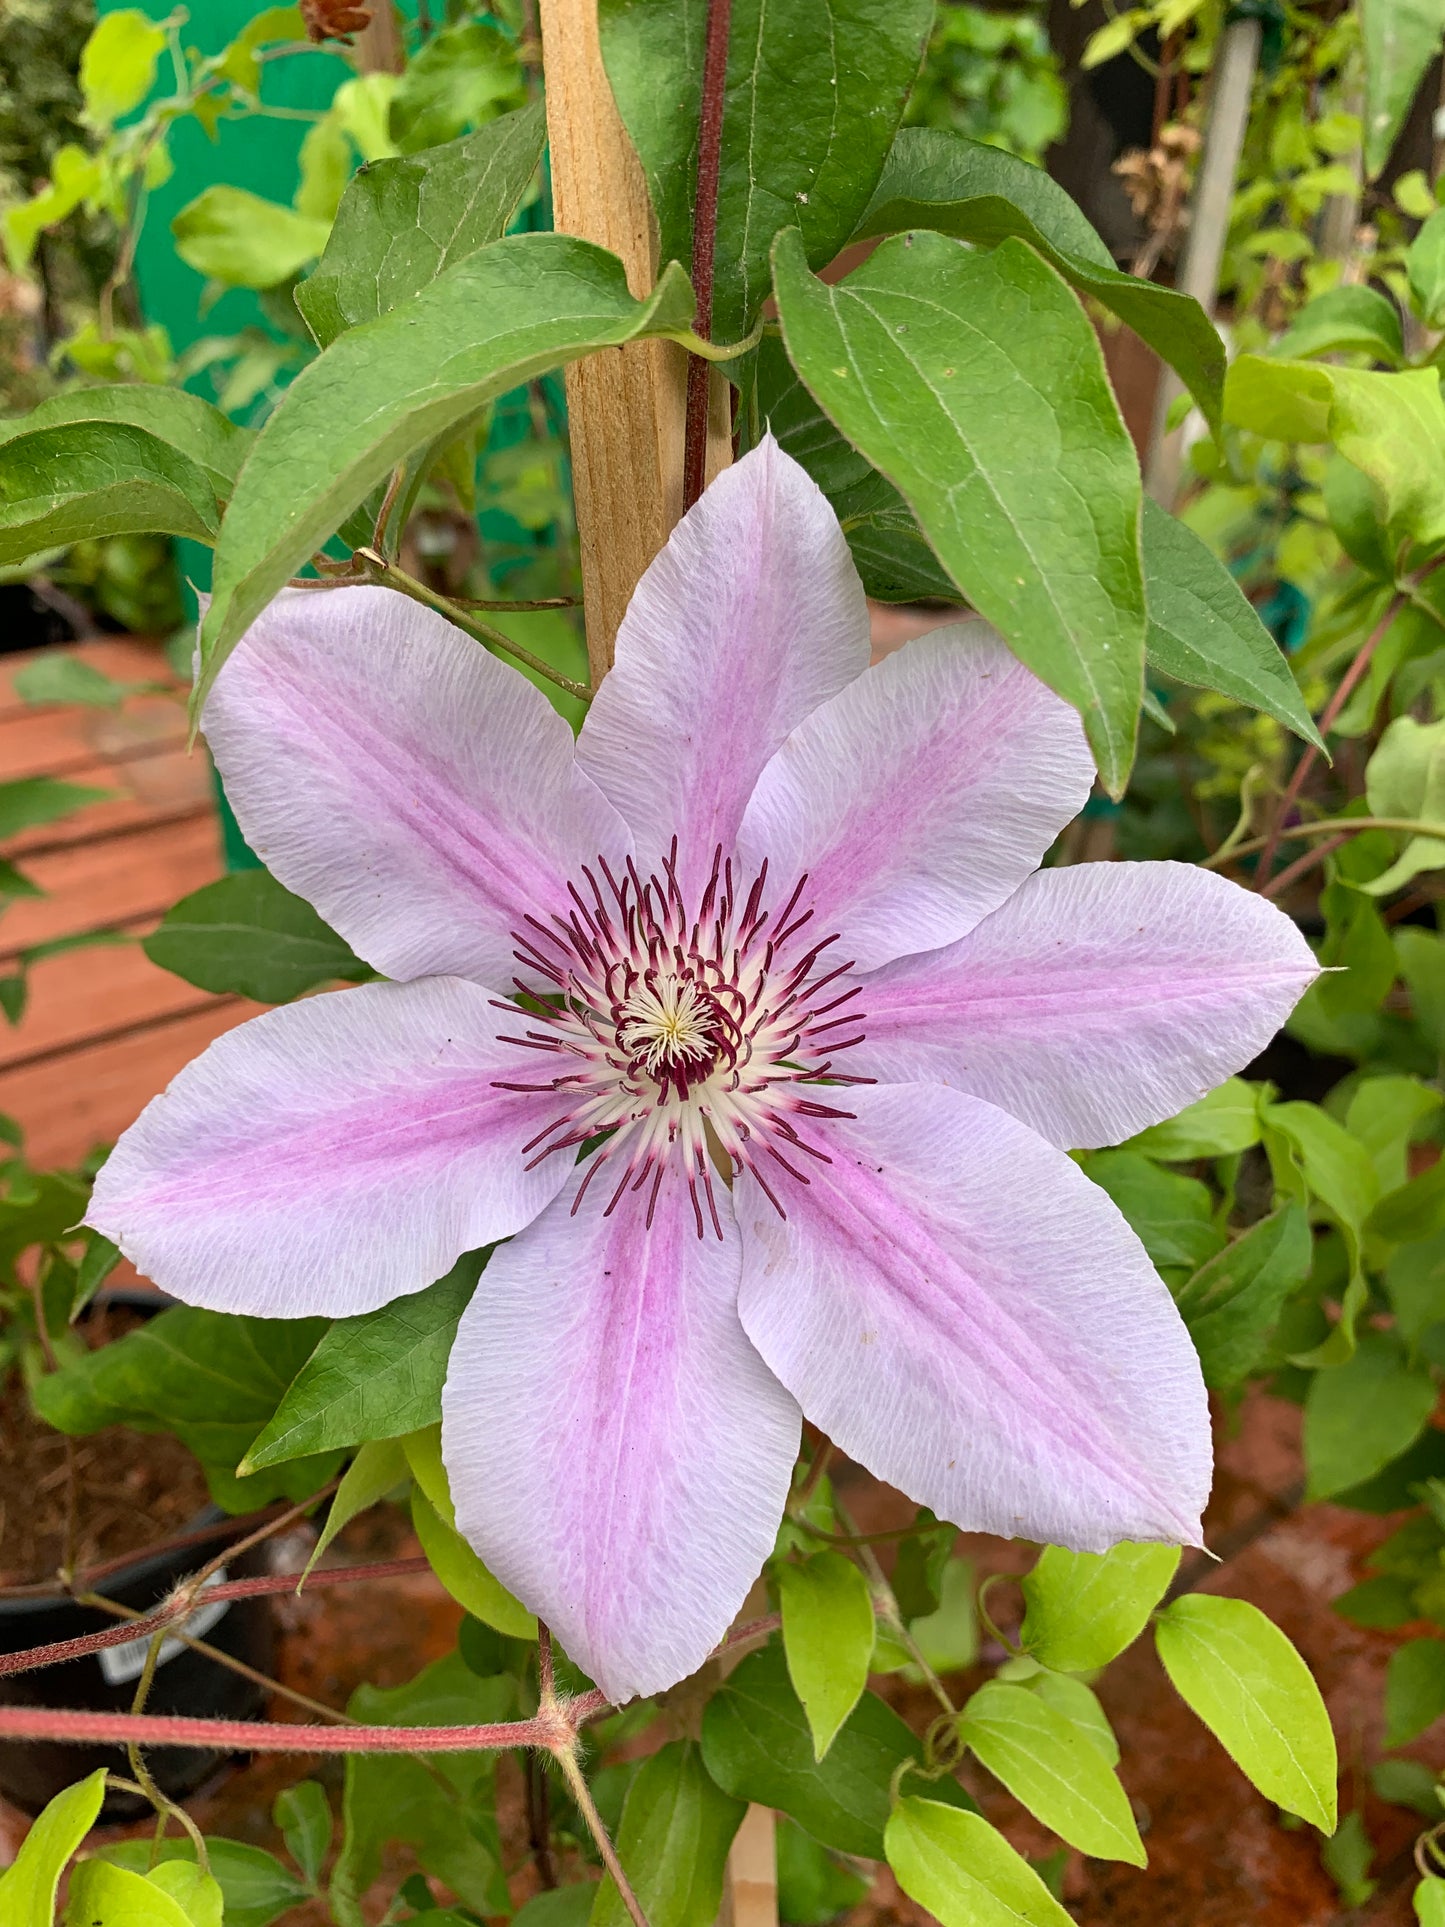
{"type": "Point", "coordinates": [750, 617]}
{"type": "Point", "coordinates": [618, 1453]}
{"type": "Point", "coordinates": [421, 794]}
{"type": "Point", "coordinates": [332, 1155]}
{"type": "Point", "coordinates": [921, 796]}
{"type": "Point", "coordinates": [1099, 999]}
{"type": "Point", "coordinates": [965, 1314]}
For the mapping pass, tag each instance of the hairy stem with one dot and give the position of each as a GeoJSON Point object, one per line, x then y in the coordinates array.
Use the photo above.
{"type": "Point", "coordinates": [587, 1807]}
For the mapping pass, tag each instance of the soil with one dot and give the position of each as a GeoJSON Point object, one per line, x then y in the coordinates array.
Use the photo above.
{"type": "Point", "coordinates": [85, 1501]}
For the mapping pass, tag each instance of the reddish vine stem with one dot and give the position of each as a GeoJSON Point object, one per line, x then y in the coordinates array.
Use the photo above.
{"type": "Point", "coordinates": [555, 1731]}
{"type": "Point", "coordinates": [1327, 718]}
{"type": "Point", "coordinates": [704, 241]}
{"type": "Point", "coordinates": [1301, 866]}
{"type": "Point", "coordinates": [178, 1608]}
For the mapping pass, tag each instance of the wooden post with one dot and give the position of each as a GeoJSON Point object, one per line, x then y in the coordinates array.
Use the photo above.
{"type": "Point", "coordinates": [625, 406]}
{"type": "Point", "coordinates": [750, 1891]}
{"type": "Point", "coordinates": [1208, 226]}
{"type": "Point", "coordinates": [378, 45]}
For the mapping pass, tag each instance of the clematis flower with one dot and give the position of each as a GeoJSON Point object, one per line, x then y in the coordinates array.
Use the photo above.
{"type": "Point", "coordinates": [750, 1022]}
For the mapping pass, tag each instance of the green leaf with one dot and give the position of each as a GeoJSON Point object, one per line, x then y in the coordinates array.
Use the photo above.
{"type": "Point", "coordinates": [758, 1746]}
{"type": "Point", "coordinates": [814, 1887]}
{"type": "Point", "coordinates": [1413, 1213]}
{"type": "Point", "coordinates": [444, 1807]}
{"type": "Point", "coordinates": [1313, 1156]}
{"type": "Point", "coordinates": [235, 237]}
{"type": "Point", "coordinates": [28, 1885]}
{"type": "Point", "coordinates": [104, 1895]}
{"type": "Point", "coordinates": [81, 480]}
{"type": "Point", "coordinates": [1084, 1608]}
{"type": "Point", "coordinates": [676, 1829]}
{"type": "Point", "coordinates": [1407, 1783]}
{"type": "Point", "coordinates": [303, 1814]}
{"type": "Point", "coordinates": [1401, 38]}
{"type": "Point", "coordinates": [558, 1906]}
{"type": "Point", "coordinates": [1414, 1690]}
{"type": "Point", "coordinates": [815, 90]}
{"type": "Point", "coordinates": [889, 549]}
{"type": "Point", "coordinates": [465, 1577]}
{"type": "Point", "coordinates": [187, 424]}
{"type": "Point", "coordinates": [1425, 269]}
{"type": "Point", "coordinates": [212, 1379]}
{"type": "Point", "coordinates": [98, 1261]}
{"type": "Point", "coordinates": [466, 74]}
{"type": "Point", "coordinates": [1217, 1126]}
{"type": "Point", "coordinates": [1429, 1902]}
{"type": "Point", "coordinates": [1383, 1602]}
{"type": "Point", "coordinates": [376, 1376]}
{"type": "Point", "coordinates": [978, 193]}
{"type": "Point", "coordinates": [1415, 1286]}
{"type": "Point", "coordinates": [1053, 1769]}
{"type": "Point", "coordinates": [246, 934]}
{"type": "Point", "coordinates": [921, 1562]}
{"type": "Point", "coordinates": [1347, 1859]}
{"type": "Point", "coordinates": [1203, 631]}
{"type": "Point", "coordinates": [828, 1639]}
{"type": "Point", "coordinates": [1363, 1414]}
{"type": "Point", "coordinates": [1172, 1214]}
{"type": "Point", "coordinates": [1406, 778]}
{"type": "Point", "coordinates": [118, 68]}
{"type": "Point", "coordinates": [963, 1870]}
{"type": "Point", "coordinates": [378, 1468]}
{"type": "Point", "coordinates": [1068, 1695]}
{"type": "Point", "coordinates": [1244, 1679]}
{"type": "Point", "coordinates": [1385, 1114]}
{"type": "Point", "coordinates": [394, 385]}
{"type": "Point", "coordinates": [1350, 320]}
{"type": "Point", "coordinates": [1421, 957]}
{"type": "Point", "coordinates": [59, 677]}
{"type": "Point", "coordinates": [1233, 1302]}
{"type": "Point", "coordinates": [1390, 426]}
{"type": "Point", "coordinates": [948, 1637]}
{"type": "Point", "coordinates": [976, 384]}
{"type": "Point", "coordinates": [31, 801]}
{"type": "Point", "coordinates": [403, 222]}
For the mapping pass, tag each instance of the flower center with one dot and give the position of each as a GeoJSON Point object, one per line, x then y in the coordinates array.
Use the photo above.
{"type": "Point", "coordinates": [689, 1036]}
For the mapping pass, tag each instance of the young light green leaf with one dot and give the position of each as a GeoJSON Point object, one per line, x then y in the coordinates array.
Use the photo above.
{"type": "Point", "coordinates": [97, 1262]}
{"type": "Point", "coordinates": [235, 237]}
{"type": "Point", "coordinates": [1390, 426]}
{"type": "Point", "coordinates": [185, 423]}
{"type": "Point", "coordinates": [118, 67]}
{"type": "Point", "coordinates": [828, 1638]}
{"type": "Point", "coordinates": [758, 1746]}
{"type": "Point", "coordinates": [677, 1826]}
{"type": "Point", "coordinates": [1068, 1695]}
{"type": "Point", "coordinates": [982, 357]}
{"type": "Point", "coordinates": [1313, 1156]}
{"type": "Point", "coordinates": [1401, 38]}
{"type": "Point", "coordinates": [378, 1468]}
{"type": "Point", "coordinates": [1205, 632]}
{"type": "Point", "coordinates": [1429, 1902]}
{"type": "Point", "coordinates": [1385, 1113]}
{"type": "Point", "coordinates": [1225, 1121]}
{"type": "Point", "coordinates": [1233, 1302]}
{"type": "Point", "coordinates": [303, 1814]}
{"type": "Point", "coordinates": [256, 1889]}
{"type": "Point", "coordinates": [937, 179]}
{"type": "Point", "coordinates": [464, 75]}
{"type": "Point", "coordinates": [394, 385]}
{"type": "Point", "coordinates": [1349, 320]}
{"type": "Point", "coordinates": [104, 1895]}
{"type": "Point", "coordinates": [1053, 1769]}
{"type": "Point", "coordinates": [81, 480]}
{"type": "Point", "coordinates": [1414, 1690]}
{"type": "Point", "coordinates": [28, 1885]}
{"type": "Point", "coordinates": [1425, 268]}
{"type": "Point", "coordinates": [1363, 1414]}
{"type": "Point", "coordinates": [1084, 1608]}
{"type": "Point", "coordinates": [376, 1376]}
{"type": "Point", "coordinates": [1406, 778]}
{"type": "Point", "coordinates": [948, 1636]}
{"type": "Point", "coordinates": [1244, 1679]}
{"type": "Point", "coordinates": [247, 935]}
{"type": "Point", "coordinates": [963, 1870]}
{"type": "Point", "coordinates": [464, 1576]}
{"type": "Point", "coordinates": [403, 222]}
{"type": "Point", "coordinates": [30, 801]}
{"type": "Point", "coordinates": [815, 90]}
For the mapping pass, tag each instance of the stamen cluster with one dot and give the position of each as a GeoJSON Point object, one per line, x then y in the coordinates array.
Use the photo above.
{"type": "Point", "coordinates": [690, 1038]}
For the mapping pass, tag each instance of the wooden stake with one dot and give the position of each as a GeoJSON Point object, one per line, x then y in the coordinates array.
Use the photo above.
{"type": "Point", "coordinates": [625, 406]}
{"type": "Point", "coordinates": [378, 45]}
{"type": "Point", "coordinates": [750, 1892]}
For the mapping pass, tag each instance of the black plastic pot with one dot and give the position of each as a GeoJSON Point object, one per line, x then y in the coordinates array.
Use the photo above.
{"type": "Point", "coordinates": [32, 1772]}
